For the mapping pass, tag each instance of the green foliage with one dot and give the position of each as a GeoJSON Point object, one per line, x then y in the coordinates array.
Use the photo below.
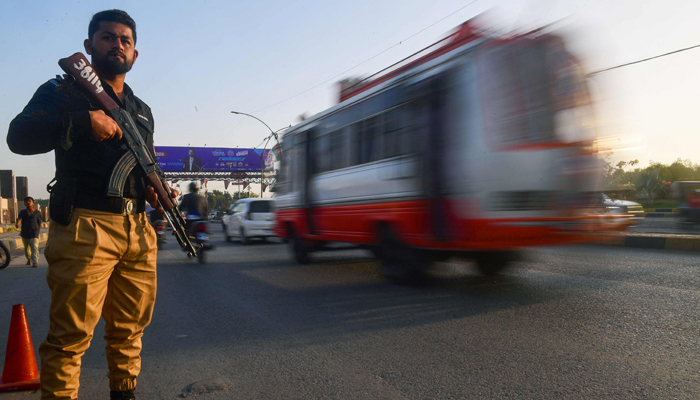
{"type": "Point", "coordinates": [621, 176]}
{"type": "Point", "coordinates": [652, 183]}
{"type": "Point", "coordinates": [615, 177]}
{"type": "Point", "coordinates": [658, 203]}
{"type": "Point", "coordinates": [217, 199]}
{"type": "Point", "coordinates": [684, 170]}
{"type": "Point", "coordinates": [11, 229]}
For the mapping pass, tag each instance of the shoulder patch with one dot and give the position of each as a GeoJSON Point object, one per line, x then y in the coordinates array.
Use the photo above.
{"type": "Point", "coordinates": [62, 80]}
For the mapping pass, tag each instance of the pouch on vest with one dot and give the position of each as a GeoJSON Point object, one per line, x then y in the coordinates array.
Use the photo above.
{"type": "Point", "coordinates": [62, 198]}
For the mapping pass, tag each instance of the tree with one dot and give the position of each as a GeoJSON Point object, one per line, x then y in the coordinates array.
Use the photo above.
{"type": "Point", "coordinates": [218, 200]}
{"type": "Point", "coordinates": [615, 177]}
{"type": "Point", "coordinates": [681, 171]}
{"type": "Point", "coordinates": [652, 184]}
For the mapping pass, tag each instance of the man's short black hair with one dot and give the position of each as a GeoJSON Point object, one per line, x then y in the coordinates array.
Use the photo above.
{"type": "Point", "coordinates": [29, 198]}
{"type": "Point", "coordinates": [117, 16]}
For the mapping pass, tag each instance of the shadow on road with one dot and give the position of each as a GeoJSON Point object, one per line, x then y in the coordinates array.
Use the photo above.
{"type": "Point", "coordinates": [335, 298]}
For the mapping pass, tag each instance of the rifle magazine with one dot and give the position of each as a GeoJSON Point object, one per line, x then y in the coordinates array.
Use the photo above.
{"type": "Point", "coordinates": [119, 174]}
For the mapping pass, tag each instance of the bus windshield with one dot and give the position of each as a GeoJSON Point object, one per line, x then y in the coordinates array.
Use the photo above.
{"type": "Point", "coordinates": [527, 86]}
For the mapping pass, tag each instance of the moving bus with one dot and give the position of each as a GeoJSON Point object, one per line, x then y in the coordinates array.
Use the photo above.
{"type": "Point", "coordinates": [477, 149]}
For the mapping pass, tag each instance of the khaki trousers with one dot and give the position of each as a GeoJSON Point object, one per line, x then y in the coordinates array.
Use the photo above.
{"type": "Point", "coordinates": [101, 264]}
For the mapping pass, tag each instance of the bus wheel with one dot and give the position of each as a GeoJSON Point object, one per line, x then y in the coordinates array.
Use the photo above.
{"type": "Point", "coordinates": [491, 264]}
{"type": "Point", "coordinates": [299, 249]}
{"type": "Point", "coordinates": [399, 263]}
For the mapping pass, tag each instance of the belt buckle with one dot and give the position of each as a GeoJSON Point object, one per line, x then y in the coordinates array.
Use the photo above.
{"type": "Point", "coordinates": [130, 206]}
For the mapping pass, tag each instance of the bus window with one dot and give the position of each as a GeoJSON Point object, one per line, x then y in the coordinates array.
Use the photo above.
{"type": "Point", "coordinates": [321, 154]}
{"type": "Point", "coordinates": [398, 134]}
{"type": "Point", "coordinates": [369, 139]}
{"type": "Point", "coordinates": [356, 130]}
{"type": "Point", "coordinates": [283, 173]}
{"type": "Point", "coordinates": [535, 87]}
{"type": "Point", "coordinates": [407, 133]}
{"type": "Point", "coordinates": [504, 117]}
{"type": "Point", "coordinates": [524, 85]}
{"type": "Point", "coordinates": [299, 160]}
{"type": "Point", "coordinates": [338, 149]}
{"type": "Point", "coordinates": [392, 132]}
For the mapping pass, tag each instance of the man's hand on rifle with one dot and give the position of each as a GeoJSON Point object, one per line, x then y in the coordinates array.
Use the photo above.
{"type": "Point", "coordinates": [103, 126]}
{"type": "Point", "coordinates": [152, 197]}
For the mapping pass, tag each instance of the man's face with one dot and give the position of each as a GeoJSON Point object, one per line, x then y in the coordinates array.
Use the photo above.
{"type": "Point", "coordinates": [112, 49]}
{"type": "Point", "coordinates": [191, 152]}
{"type": "Point", "coordinates": [29, 203]}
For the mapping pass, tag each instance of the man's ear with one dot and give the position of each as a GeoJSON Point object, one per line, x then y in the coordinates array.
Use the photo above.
{"type": "Point", "coordinates": [136, 55]}
{"type": "Point", "coordinates": [88, 46]}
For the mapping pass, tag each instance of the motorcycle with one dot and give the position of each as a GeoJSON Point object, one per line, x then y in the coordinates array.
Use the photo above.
{"type": "Point", "coordinates": [4, 256]}
{"type": "Point", "coordinates": [160, 233]}
{"type": "Point", "coordinates": [158, 223]}
{"type": "Point", "coordinates": [198, 233]}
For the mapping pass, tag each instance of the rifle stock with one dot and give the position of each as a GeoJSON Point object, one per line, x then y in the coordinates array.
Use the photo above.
{"type": "Point", "coordinates": [79, 68]}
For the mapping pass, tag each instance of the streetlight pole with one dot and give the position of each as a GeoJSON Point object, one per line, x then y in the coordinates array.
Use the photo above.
{"type": "Point", "coordinates": [272, 134]}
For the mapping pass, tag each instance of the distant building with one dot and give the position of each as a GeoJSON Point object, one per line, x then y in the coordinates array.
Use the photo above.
{"type": "Point", "coordinates": [7, 184]}
{"type": "Point", "coordinates": [9, 210]}
{"type": "Point", "coordinates": [22, 188]}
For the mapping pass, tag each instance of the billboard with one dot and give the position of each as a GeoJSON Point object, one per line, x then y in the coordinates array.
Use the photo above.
{"type": "Point", "coordinates": [210, 159]}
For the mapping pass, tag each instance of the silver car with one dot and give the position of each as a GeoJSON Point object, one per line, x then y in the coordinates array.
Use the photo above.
{"type": "Point", "coordinates": [249, 218]}
{"type": "Point", "coordinates": [624, 207]}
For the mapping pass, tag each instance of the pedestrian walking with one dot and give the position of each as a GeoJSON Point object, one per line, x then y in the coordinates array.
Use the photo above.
{"type": "Point", "coordinates": [30, 219]}
{"type": "Point", "coordinates": [101, 249]}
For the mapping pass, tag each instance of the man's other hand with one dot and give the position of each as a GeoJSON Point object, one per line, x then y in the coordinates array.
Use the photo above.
{"type": "Point", "coordinates": [104, 127]}
{"type": "Point", "coordinates": [152, 197]}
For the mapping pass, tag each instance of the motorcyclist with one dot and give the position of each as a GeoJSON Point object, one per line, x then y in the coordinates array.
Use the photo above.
{"type": "Point", "coordinates": [153, 215]}
{"type": "Point", "coordinates": [193, 205]}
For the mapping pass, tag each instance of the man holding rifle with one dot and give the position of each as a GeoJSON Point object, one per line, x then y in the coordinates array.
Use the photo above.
{"type": "Point", "coordinates": [101, 249]}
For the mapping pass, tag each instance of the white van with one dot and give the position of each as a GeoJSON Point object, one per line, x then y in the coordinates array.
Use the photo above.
{"type": "Point", "coordinates": [249, 218]}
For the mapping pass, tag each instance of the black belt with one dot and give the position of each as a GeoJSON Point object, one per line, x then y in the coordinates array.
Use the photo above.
{"type": "Point", "coordinates": [116, 205]}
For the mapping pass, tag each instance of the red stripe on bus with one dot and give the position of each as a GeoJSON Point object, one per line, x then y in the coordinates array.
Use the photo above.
{"type": "Point", "coordinates": [410, 220]}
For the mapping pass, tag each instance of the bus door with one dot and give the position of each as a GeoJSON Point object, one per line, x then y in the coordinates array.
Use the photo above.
{"type": "Point", "coordinates": [428, 105]}
{"type": "Point", "coordinates": [307, 171]}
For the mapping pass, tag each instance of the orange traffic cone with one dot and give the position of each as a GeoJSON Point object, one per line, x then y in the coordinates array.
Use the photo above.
{"type": "Point", "coordinates": [20, 371]}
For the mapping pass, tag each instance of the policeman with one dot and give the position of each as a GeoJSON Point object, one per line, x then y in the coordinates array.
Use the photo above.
{"type": "Point", "coordinates": [101, 250]}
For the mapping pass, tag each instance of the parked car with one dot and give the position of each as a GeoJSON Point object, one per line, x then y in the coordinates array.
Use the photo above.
{"type": "Point", "coordinates": [249, 218]}
{"type": "Point", "coordinates": [623, 207]}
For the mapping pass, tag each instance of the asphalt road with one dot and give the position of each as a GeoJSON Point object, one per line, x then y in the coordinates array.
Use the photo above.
{"type": "Point", "coordinates": [584, 322]}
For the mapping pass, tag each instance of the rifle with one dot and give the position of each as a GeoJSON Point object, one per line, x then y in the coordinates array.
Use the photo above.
{"type": "Point", "coordinates": [79, 68]}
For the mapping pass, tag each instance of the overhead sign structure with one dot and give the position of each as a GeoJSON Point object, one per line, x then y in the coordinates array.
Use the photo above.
{"type": "Point", "coordinates": [211, 159]}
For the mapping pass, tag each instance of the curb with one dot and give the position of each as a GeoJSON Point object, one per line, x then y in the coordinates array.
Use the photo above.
{"type": "Point", "coordinates": [4, 228]}
{"type": "Point", "coordinates": [650, 241]}
{"type": "Point", "coordinates": [16, 244]}
{"type": "Point", "coordinates": [660, 214]}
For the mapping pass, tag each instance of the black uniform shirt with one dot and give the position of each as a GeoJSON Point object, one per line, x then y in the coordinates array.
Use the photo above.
{"type": "Point", "coordinates": [57, 118]}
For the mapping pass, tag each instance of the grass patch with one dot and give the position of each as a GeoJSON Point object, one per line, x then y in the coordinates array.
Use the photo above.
{"type": "Point", "coordinates": [661, 203]}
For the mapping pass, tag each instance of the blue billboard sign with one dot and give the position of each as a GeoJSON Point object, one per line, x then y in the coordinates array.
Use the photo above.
{"type": "Point", "coordinates": [210, 159]}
